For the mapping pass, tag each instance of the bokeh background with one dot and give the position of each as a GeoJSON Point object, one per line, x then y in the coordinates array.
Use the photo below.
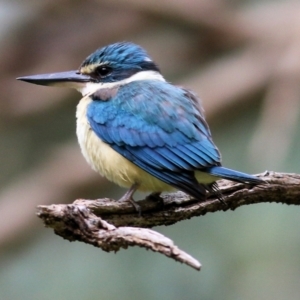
{"type": "Point", "coordinates": [243, 60]}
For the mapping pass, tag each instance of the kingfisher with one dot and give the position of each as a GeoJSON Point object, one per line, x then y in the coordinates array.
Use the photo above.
{"type": "Point", "coordinates": [140, 131]}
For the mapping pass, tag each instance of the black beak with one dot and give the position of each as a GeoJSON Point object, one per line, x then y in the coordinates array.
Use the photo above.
{"type": "Point", "coordinates": [72, 79]}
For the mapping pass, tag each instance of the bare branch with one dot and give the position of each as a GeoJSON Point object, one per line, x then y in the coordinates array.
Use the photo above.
{"type": "Point", "coordinates": [111, 225]}
{"type": "Point", "coordinates": [76, 222]}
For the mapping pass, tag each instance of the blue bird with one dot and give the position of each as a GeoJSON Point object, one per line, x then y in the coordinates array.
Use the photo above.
{"type": "Point", "coordinates": [139, 130]}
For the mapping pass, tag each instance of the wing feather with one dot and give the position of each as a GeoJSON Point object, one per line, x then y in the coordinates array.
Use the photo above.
{"type": "Point", "coordinates": [158, 127]}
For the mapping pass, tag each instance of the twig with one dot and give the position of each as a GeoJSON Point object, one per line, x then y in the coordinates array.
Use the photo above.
{"type": "Point", "coordinates": [76, 222]}
{"type": "Point", "coordinates": [111, 225]}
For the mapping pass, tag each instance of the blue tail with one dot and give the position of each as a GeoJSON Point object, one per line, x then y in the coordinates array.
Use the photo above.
{"type": "Point", "coordinates": [234, 175]}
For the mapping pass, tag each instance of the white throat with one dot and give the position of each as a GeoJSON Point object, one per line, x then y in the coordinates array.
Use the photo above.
{"type": "Point", "coordinates": [91, 87]}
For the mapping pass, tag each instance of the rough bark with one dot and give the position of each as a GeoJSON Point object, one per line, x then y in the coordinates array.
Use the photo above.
{"type": "Point", "coordinates": [111, 225]}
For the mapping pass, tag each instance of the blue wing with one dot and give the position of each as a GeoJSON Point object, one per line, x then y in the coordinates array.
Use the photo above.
{"type": "Point", "coordinates": [158, 127]}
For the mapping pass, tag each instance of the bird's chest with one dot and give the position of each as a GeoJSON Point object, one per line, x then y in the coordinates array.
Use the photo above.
{"type": "Point", "coordinates": [107, 161]}
{"type": "Point", "coordinates": [91, 146]}
{"type": "Point", "coordinates": [100, 155]}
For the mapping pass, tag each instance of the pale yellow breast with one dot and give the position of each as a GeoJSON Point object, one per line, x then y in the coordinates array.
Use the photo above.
{"type": "Point", "coordinates": [107, 161]}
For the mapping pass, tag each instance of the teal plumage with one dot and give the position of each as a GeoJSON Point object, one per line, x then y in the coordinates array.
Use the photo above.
{"type": "Point", "coordinates": [139, 130]}
{"type": "Point", "coordinates": [159, 128]}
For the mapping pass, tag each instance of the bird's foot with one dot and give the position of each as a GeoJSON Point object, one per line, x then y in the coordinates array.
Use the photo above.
{"type": "Point", "coordinates": [128, 197]}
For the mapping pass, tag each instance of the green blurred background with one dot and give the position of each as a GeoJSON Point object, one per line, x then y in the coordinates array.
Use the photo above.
{"type": "Point", "coordinates": [243, 60]}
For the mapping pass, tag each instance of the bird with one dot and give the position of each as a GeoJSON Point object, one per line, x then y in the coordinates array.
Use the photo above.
{"type": "Point", "coordinates": [139, 130]}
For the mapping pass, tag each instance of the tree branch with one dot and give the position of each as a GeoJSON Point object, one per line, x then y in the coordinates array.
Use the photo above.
{"type": "Point", "coordinates": [111, 225]}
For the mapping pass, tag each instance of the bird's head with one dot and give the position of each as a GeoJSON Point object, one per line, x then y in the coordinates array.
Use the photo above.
{"type": "Point", "coordinates": [113, 64]}
{"type": "Point", "coordinates": [117, 62]}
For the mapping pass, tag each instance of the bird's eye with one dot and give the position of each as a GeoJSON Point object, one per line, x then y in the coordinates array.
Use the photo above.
{"type": "Point", "coordinates": [103, 71]}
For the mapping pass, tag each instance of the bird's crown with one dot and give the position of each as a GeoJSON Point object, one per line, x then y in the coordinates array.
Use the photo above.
{"type": "Point", "coordinates": [117, 62]}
